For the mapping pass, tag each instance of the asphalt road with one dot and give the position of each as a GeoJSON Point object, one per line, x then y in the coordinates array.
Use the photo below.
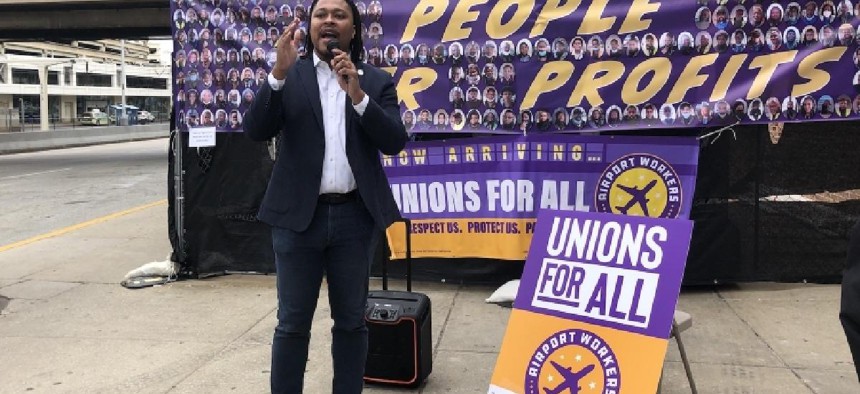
{"type": "Point", "coordinates": [45, 191]}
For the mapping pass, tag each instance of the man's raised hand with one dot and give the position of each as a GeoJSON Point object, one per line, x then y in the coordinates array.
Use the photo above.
{"type": "Point", "coordinates": [287, 50]}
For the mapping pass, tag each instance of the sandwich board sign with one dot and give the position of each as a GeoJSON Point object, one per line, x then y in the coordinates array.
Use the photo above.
{"type": "Point", "coordinates": [594, 309]}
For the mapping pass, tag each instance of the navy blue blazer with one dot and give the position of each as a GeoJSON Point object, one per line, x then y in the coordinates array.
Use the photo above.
{"type": "Point", "coordinates": [296, 113]}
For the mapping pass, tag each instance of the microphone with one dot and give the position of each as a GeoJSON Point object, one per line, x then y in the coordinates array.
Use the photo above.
{"type": "Point", "coordinates": [330, 47]}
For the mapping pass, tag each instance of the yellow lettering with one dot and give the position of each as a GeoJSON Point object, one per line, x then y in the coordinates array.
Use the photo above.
{"type": "Point", "coordinates": [576, 152]}
{"type": "Point", "coordinates": [550, 77]}
{"type": "Point", "coordinates": [767, 65]}
{"type": "Point", "coordinates": [504, 152]}
{"type": "Point", "coordinates": [552, 10]}
{"type": "Point", "coordinates": [521, 150]}
{"type": "Point", "coordinates": [558, 152]}
{"type": "Point", "coordinates": [452, 155]}
{"type": "Point", "coordinates": [418, 156]}
{"type": "Point", "coordinates": [496, 30]}
{"type": "Point", "coordinates": [634, 22]}
{"type": "Point", "coordinates": [690, 77]}
{"type": "Point", "coordinates": [425, 13]}
{"type": "Point", "coordinates": [404, 158]}
{"type": "Point", "coordinates": [593, 22]}
{"type": "Point", "coordinates": [485, 153]}
{"type": "Point", "coordinates": [721, 89]}
{"type": "Point", "coordinates": [387, 161]}
{"type": "Point", "coordinates": [817, 78]}
{"type": "Point", "coordinates": [589, 83]}
{"type": "Point", "coordinates": [539, 149]}
{"type": "Point", "coordinates": [412, 82]}
{"type": "Point", "coordinates": [470, 153]}
{"type": "Point", "coordinates": [462, 14]}
{"type": "Point", "coordinates": [660, 66]}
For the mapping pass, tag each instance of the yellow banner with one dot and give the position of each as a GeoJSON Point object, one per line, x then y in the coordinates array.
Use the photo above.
{"type": "Point", "coordinates": [506, 239]}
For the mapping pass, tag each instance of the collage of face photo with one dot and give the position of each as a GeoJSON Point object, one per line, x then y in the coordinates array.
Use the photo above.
{"type": "Point", "coordinates": [759, 26]}
{"type": "Point", "coordinates": [483, 96]}
{"type": "Point", "coordinates": [481, 92]}
{"type": "Point", "coordinates": [222, 54]}
{"type": "Point", "coordinates": [223, 51]}
{"type": "Point", "coordinates": [751, 26]}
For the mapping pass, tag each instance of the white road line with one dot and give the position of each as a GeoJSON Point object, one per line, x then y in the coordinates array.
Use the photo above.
{"type": "Point", "coordinates": [34, 173]}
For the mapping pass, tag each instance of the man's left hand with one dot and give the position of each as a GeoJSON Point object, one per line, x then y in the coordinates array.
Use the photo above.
{"type": "Point", "coordinates": [347, 77]}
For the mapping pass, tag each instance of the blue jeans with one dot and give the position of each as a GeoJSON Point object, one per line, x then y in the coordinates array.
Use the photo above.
{"type": "Point", "coordinates": [338, 243]}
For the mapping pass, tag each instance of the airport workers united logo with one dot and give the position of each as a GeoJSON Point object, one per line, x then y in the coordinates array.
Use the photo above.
{"type": "Point", "coordinates": [639, 184]}
{"type": "Point", "coordinates": [573, 361]}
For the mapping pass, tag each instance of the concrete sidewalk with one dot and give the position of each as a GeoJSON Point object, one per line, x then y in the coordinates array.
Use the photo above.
{"type": "Point", "coordinates": [71, 328]}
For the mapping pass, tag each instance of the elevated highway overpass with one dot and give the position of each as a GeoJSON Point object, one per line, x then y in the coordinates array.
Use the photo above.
{"type": "Point", "coordinates": [57, 20]}
{"type": "Point", "coordinates": [70, 26]}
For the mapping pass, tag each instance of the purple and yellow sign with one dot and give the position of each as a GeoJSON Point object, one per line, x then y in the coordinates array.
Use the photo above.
{"type": "Point", "coordinates": [595, 304]}
{"type": "Point", "coordinates": [530, 66]}
{"type": "Point", "coordinates": [478, 197]}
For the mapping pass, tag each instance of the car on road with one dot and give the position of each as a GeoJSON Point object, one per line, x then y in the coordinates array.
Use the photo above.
{"type": "Point", "coordinates": [145, 117]}
{"type": "Point", "coordinates": [95, 119]}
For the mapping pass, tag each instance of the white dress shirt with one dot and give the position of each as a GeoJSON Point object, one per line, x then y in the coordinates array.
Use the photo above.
{"type": "Point", "coordinates": [336, 174]}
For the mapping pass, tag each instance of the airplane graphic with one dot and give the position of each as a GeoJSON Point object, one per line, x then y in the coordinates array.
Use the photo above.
{"type": "Point", "coordinates": [637, 196]}
{"type": "Point", "coordinates": [571, 379]}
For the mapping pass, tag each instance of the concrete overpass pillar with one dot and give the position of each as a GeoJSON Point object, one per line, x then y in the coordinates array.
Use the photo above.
{"type": "Point", "coordinates": [44, 112]}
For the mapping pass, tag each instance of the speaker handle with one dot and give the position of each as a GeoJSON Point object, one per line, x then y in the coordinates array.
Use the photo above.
{"type": "Point", "coordinates": [408, 224]}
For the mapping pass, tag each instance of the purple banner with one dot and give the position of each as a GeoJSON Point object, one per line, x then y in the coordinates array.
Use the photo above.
{"type": "Point", "coordinates": [536, 66]}
{"type": "Point", "coordinates": [514, 176]}
{"type": "Point", "coordinates": [615, 271]}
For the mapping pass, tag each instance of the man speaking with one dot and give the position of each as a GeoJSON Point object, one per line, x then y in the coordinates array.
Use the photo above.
{"type": "Point", "coordinates": [328, 198]}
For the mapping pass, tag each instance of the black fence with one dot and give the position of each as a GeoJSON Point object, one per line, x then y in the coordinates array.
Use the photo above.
{"type": "Point", "coordinates": [776, 211]}
{"type": "Point", "coordinates": [762, 211]}
{"type": "Point", "coordinates": [11, 122]}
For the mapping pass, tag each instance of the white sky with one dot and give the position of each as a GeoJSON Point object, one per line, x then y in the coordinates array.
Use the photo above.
{"type": "Point", "coordinates": [165, 49]}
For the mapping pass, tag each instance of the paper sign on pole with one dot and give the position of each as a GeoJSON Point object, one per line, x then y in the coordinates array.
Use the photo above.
{"type": "Point", "coordinates": [595, 304]}
{"type": "Point", "coordinates": [201, 137]}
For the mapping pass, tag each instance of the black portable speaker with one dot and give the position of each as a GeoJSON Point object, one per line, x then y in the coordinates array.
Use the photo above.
{"type": "Point", "coordinates": [400, 351]}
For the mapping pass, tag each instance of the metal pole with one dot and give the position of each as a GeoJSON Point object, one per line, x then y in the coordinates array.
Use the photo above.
{"type": "Point", "coordinates": [21, 113]}
{"type": "Point", "coordinates": [179, 193]}
{"type": "Point", "coordinates": [123, 118]}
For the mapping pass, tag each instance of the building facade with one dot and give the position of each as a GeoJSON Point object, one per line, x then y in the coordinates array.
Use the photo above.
{"type": "Point", "coordinates": [81, 76]}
